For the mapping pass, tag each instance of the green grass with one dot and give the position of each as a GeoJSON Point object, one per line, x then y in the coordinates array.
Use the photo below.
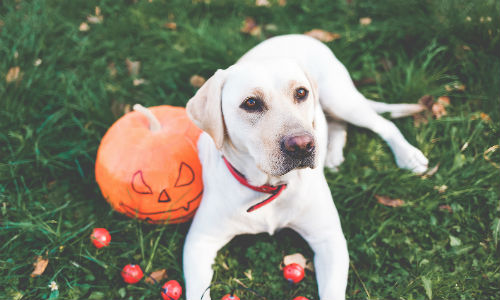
{"type": "Point", "coordinates": [51, 122]}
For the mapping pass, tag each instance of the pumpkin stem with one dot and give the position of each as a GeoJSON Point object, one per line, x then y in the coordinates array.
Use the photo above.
{"type": "Point", "coordinates": [154, 124]}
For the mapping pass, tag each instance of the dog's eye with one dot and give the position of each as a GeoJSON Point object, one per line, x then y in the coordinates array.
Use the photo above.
{"type": "Point", "coordinates": [301, 94]}
{"type": "Point", "coordinates": [252, 104]}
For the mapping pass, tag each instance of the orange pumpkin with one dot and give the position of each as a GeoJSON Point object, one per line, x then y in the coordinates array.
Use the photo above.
{"type": "Point", "coordinates": [147, 165]}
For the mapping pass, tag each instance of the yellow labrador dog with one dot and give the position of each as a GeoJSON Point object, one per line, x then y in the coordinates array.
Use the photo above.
{"type": "Point", "coordinates": [266, 141]}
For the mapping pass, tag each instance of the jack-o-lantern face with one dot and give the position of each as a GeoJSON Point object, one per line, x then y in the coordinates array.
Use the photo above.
{"type": "Point", "coordinates": [154, 176]}
{"type": "Point", "coordinates": [177, 202]}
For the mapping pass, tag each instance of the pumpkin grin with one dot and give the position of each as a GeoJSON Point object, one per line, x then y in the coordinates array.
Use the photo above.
{"type": "Point", "coordinates": [135, 211]}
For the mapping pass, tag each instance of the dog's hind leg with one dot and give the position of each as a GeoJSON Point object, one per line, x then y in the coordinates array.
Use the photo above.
{"type": "Point", "coordinates": [337, 137]}
{"type": "Point", "coordinates": [342, 101]}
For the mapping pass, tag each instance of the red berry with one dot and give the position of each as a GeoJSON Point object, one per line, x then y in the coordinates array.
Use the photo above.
{"type": "Point", "coordinates": [171, 290]}
{"type": "Point", "coordinates": [100, 237]}
{"type": "Point", "coordinates": [300, 298]}
{"type": "Point", "coordinates": [230, 297]}
{"type": "Point", "coordinates": [293, 272]}
{"type": "Point", "coordinates": [132, 273]}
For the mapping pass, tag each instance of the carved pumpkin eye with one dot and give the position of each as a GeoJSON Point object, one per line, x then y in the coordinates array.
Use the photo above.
{"type": "Point", "coordinates": [186, 175]}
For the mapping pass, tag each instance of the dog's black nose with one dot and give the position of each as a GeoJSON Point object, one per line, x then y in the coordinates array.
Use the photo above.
{"type": "Point", "coordinates": [298, 146]}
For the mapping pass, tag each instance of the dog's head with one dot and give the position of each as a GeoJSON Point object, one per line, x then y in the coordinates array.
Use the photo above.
{"type": "Point", "coordinates": [262, 109]}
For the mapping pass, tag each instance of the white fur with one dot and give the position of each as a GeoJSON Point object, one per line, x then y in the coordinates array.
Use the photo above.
{"type": "Point", "coordinates": [275, 68]}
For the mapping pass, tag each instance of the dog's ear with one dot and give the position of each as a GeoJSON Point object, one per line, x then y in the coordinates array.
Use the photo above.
{"type": "Point", "coordinates": [205, 108]}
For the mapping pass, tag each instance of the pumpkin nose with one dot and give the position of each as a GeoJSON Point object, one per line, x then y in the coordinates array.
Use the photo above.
{"type": "Point", "coordinates": [298, 145]}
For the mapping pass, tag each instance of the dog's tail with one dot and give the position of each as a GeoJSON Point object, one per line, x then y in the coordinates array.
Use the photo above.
{"type": "Point", "coordinates": [395, 110]}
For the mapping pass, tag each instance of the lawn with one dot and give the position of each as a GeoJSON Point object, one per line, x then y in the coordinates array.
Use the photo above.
{"type": "Point", "coordinates": [62, 84]}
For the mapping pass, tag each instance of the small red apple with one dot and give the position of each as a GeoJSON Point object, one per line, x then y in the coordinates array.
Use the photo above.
{"type": "Point", "coordinates": [100, 237]}
{"type": "Point", "coordinates": [171, 290]}
{"type": "Point", "coordinates": [300, 298]}
{"type": "Point", "coordinates": [293, 273]}
{"type": "Point", "coordinates": [132, 273]}
{"type": "Point", "coordinates": [230, 297]}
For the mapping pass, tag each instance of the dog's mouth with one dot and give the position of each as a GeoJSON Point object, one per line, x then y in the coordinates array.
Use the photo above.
{"type": "Point", "coordinates": [288, 164]}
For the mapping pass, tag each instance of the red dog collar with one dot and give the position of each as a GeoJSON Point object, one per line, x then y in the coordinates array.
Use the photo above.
{"type": "Point", "coordinates": [275, 191]}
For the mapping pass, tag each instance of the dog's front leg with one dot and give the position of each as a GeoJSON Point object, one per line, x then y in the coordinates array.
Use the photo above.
{"type": "Point", "coordinates": [320, 226]}
{"type": "Point", "coordinates": [331, 264]}
{"type": "Point", "coordinates": [200, 250]}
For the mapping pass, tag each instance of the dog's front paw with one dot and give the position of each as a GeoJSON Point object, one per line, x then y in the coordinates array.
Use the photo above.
{"type": "Point", "coordinates": [411, 158]}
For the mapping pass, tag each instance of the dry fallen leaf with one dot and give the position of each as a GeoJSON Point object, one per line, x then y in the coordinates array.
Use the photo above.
{"type": "Point", "coordinates": [138, 81]}
{"type": "Point", "coordinates": [248, 274]}
{"type": "Point", "coordinates": [251, 27]}
{"type": "Point", "coordinates": [446, 207]}
{"type": "Point", "coordinates": [441, 189]}
{"type": "Point", "coordinates": [84, 27]}
{"type": "Point", "coordinates": [491, 150]}
{"type": "Point", "coordinates": [262, 3]}
{"type": "Point", "coordinates": [281, 2]}
{"type": "Point", "coordinates": [430, 172]}
{"type": "Point", "coordinates": [445, 100]}
{"type": "Point", "coordinates": [157, 276]}
{"type": "Point", "coordinates": [97, 11]}
{"type": "Point", "coordinates": [170, 25]}
{"type": "Point", "coordinates": [456, 86]}
{"type": "Point", "coordinates": [197, 81]}
{"type": "Point", "coordinates": [384, 200]}
{"type": "Point", "coordinates": [438, 110]}
{"type": "Point", "coordinates": [133, 67]}
{"type": "Point", "coordinates": [296, 258]}
{"type": "Point", "coordinates": [365, 21]}
{"type": "Point", "coordinates": [94, 19]}
{"type": "Point", "coordinates": [40, 266]}
{"type": "Point", "coordinates": [323, 35]}
{"type": "Point", "coordinates": [14, 74]}
{"type": "Point", "coordinates": [485, 117]}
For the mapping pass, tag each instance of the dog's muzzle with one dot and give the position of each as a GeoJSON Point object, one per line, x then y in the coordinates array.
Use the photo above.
{"type": "Point", "coordinates": [299, 151]}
